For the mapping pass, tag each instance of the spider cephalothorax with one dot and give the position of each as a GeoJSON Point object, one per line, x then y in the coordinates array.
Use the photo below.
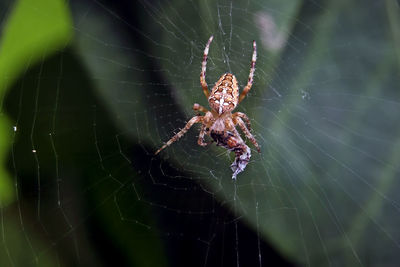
{"type": "Point", "coordinates": [219, 123]}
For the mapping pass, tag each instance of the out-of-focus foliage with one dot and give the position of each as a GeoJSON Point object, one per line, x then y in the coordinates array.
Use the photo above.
{"type": "Point", "coordinates": [36, 30]}
{"type": "Point", "coordinates": [6, 189]}
{"type": "Point", "coordinates": [33, 31]}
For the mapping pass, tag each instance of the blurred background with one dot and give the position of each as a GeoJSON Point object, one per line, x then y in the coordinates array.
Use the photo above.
{"type": "Point", "coordinates": [89, 90]}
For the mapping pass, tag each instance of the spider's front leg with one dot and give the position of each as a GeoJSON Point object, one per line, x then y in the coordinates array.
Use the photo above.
{"type": "Point", "coordinates": [239, 121]}
{"type": "Point", "coordinates": [188, 125]}
{"type": "Point", "coordinates": [251, 74]}
{"type": "Point", "coordinates": [198, 107]}
{"type": "Point", "coordinates": [203, 68]}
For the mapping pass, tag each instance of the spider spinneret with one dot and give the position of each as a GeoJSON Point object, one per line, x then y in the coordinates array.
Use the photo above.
{"type": "Point", "coordinates": [219, 123]}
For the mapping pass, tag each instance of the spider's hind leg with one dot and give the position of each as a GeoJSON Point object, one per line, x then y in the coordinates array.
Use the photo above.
{"type": "Point", "coordinates": [244, 117]}
{"type": "Point", "coordinates": [248, 134]}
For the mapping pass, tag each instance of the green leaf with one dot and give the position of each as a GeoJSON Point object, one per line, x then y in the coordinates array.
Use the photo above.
{"type": "Point", "coordinates": [6, 188]}
{"type": "Point", "coordinates": [33, 31]}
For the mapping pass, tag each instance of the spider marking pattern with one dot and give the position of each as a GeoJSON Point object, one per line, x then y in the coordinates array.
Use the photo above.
{"type": "Point", "coordinates": [219, 123]}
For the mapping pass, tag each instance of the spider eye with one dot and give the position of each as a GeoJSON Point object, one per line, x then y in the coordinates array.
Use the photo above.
{"type": "Point", "coordinates": [207, 129]}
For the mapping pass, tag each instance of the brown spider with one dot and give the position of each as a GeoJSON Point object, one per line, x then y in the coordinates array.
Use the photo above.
{"type": "Point", "coordinates": [219, 123]}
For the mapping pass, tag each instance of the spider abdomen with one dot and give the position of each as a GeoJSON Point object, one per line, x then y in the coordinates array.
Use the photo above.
{"type": "Point", "coordinates": [226, 139]}
{"type": "Point", "coordinates": [225, 94]}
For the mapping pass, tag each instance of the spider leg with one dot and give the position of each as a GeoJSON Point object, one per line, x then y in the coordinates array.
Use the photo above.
{"type": "Point", "coordinates": [205, 127]}
{"type": "Point", "coordinates": [203, 68]}
{"type": "Point", "coordinates": [198, 107]}
{"type": "Point", "coordinates": [248, 134]}
{"type": "Point", "coordinates": [244, 117]}
{"type": "Point", "coordinates": [195, 119]}
{"type": "Point", "coordinates": [251, 75]}
{"type": "Point", "coordinates": [200, 141]}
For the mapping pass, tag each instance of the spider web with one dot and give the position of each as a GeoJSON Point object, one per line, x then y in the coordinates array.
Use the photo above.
{"type": "Point", "coordinates": [324, 108]}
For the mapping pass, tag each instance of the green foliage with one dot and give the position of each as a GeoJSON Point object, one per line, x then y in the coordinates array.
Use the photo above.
{"type": "Point", "coordinates": [6, 189]}
{"type": "Point", "coordinates": [34, 30]}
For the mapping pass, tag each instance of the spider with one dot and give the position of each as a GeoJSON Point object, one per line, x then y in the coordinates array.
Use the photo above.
{"type": "Point", "coordinates": [219, 123]}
